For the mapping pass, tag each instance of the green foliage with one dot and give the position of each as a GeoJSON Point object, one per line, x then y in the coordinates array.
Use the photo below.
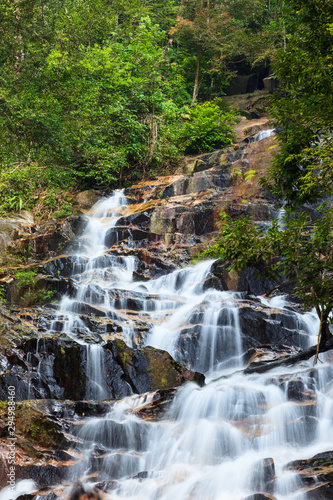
{"type": "Point", "coordinates": [63, 211]}
{"type": "Point", "coordinates": [243, 244]}
{"type": "Point", "coordinates": [88, 94]}
{"type": "Point", "coordinates": [302, 251]}
{"type": "Point", "coordinates": [249, 174]}
{"type": "Point", "coordinates": [208, 127]}
{"type": "Point", "coordinates": [32, 294]}
{"type": "Point", "coordinates": [304, 105]}
{"type": "Point", "coordinates": [2, 294]}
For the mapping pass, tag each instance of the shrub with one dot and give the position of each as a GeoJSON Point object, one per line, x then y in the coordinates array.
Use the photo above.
{"type": "Point", "coordinates": [208, 127]}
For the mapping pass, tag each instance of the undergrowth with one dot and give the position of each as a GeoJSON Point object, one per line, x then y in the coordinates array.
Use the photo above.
{"type": "Point", "coordinates": [43, 191]}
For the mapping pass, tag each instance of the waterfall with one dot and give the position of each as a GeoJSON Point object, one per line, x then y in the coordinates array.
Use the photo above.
{"type": "Point", "coordinates": [227, 440]}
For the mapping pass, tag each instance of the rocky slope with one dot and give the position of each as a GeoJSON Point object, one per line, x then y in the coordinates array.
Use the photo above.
{"type": "Point", "coordinates": [169, 221]}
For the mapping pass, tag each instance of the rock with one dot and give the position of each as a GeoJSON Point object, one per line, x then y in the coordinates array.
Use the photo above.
{"type": "Point", "coordinates": [263, 476]}
{"type": "Point", "coordinates": [150, 369]}
{"type": "Point", "coordinates": [262, 325]}
{"type": "Point", "coordinates": [270, 83]}
{"type": "Point", "coordinates": [252, 280]}
{"type": "Point", "coordinates": [35, 422]}
{"type": "Point", "coordinates": [37, 289]}
{"type": "Point", "coordinates": [11, 228]}
{"type": "Point", "coordinates": [260, 496]}
{"type": "Point", "coordinates": [65, 265]}
{"type": "Point", "coordinates": [86, 199]}
{"type": "Point", "coordinates": [46, 241]}
{"type": "Point", "coordinates": [16, 223]}
{"type": "Point", "coordinates": [155, 409]}
{"type": "Point", "coordinates": [5, 241]}
{"type": "Point", "coordinates": [59, 369]}
{"type": "Point", "coordinates": [269, 352]}
{"type": "Point", "coordinates": [316, 475]}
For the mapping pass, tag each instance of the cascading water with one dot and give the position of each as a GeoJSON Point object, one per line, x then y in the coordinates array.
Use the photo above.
{"type": "Point", "coordinates": [227, 440]}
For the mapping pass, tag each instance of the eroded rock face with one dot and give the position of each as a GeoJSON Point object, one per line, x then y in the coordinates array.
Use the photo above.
{"type": "Point", "coordinates": [59, 369]}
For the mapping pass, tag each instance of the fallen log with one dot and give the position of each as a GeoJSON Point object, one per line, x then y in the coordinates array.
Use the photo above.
{"type": "Point", "coordinates": [288, 360]}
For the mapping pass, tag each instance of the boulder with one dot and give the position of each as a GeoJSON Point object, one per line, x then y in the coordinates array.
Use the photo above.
{"type": "Point", "coordinates": [86, 199]}
{"type": "Point", "coordinates": [150, 369]}
{"type": "Point", "coordinates": [46, 241]}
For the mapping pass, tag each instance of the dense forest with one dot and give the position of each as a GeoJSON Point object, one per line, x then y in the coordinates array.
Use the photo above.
{"type": "Point", "coordinates": [99, 93]}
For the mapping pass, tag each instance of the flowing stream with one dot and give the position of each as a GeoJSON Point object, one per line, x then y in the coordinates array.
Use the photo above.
{"type": "Point", "coordinates": [224, 441]}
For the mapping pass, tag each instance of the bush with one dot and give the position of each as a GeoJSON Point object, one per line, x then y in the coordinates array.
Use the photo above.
{"type": "Point", "coordinates": [208, 127]}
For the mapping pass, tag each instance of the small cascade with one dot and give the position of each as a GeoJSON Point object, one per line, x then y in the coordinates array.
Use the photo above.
{"type": "Point", "coordinates": [263, 134]}
{"type": "Point", "coordinates": [228, 440]}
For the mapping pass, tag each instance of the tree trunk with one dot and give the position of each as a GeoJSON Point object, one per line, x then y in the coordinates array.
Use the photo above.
{"type": "Point", "coordinates": [324, 333]}
{"type": "Point", "coordinates": [196, 80]}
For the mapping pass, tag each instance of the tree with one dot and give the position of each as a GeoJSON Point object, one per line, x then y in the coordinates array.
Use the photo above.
{"type": "Point", "coordinates": [303, 106]}
{"type": "Point", "coordinates": [201, 31]}
{"type": "Point", "coordinates": [302, 251]}
{"type": "Point", "coordinates": [85, 88]}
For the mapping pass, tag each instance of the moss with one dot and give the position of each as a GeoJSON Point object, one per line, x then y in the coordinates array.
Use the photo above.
{"type": "Point", "coordinates": [36, 427]}
{"type": "Point", "coordinates": [161, 370]}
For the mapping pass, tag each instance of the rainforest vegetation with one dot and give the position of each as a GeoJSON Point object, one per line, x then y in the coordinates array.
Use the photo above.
{"type": "Point", "coordinates": [100, 94]}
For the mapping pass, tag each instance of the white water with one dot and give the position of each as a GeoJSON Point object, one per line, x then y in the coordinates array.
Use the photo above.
{"type": "Point", "coordinates": [214, 440]}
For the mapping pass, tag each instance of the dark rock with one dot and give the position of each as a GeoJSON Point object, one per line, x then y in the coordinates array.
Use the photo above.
{"type": "Point", "coordinates": [263, 325]}
{"type": "Point", "coordinates": [254, 281]}
{"type": "Point", "coordinates": [44, 474]}
{"type": "Point", "coordinates": [263, 476]}
{"type": "Point", "coordinates": [158, 406]}
{"type": "Point", "coordinates": [150, 369]}
{"type": "Point", "coordinates": [316, 474]}
{"type": "Point", "coordinates": [65, 265]}
{"type": "Point", "coordinates": [91, 408]}
{"type": "Point", "coordinates": [47, 241]}
{"type": "Point", "coordinates": [260, 496]}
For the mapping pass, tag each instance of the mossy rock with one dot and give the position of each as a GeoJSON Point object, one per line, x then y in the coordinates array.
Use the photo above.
{"type": "Point", "coordinates": [36, 426]}
{"type": "Point", "coordinates": [152, 369]}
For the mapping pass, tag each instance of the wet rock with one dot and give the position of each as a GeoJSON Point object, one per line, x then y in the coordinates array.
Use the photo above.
{"type": "Point", "coordinates": [91, 408]}
{"type": "Point", "coordinates": [65, 265]}
{"type": "Point", "coordinates": [59, 368]}
{"type": "Point", "coordinates": [34, 420]}
{"type": "Point", "coordinates": [38, 289]}
{"type": "Point", "coordinates": [46, 241]}
{"type": "Point", "coordinates": [269, 352]}
{"type": "Point", "coordinates": [150, 369]}
{"type": "Point", "coordinates": [260, 496]}
{"type": "Point", "coordinates": [44, 475]}
{"type": "Point", "coordinates": [133, 234]}
{"type": "Point", "coordinates": [264, 476]}
{"type": "Point", "coordinates": [316, 474]}
{"type": "Point", "coordinates": [184, 216]}
{"type": "Point", "coordinates": [263, 325]}
{"type": "Point", "coordinates": [154, 265]}
{"type": "Point", "coordinates": [5, 241]}
{"type": "Point", "coordinates": [252, 280]}
{"type": "Point", "coordinates": [155, 409]}
{"type": "Point", "coordinates": [140, 218]}
{"type": "Point", "coordinates": [12, 330]}
{"type": "Point", "coordinates": [17, 224]}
